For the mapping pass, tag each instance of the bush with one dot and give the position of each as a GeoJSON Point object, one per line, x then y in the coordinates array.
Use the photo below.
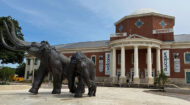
{"type": "Point", "coordinates": [7, 73]}
{"type": "Point", "coordinates": [4, 83]}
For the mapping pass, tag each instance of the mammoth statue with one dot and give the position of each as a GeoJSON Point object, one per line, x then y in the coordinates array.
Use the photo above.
{"type": "Point", "coordinates": [84, 69]}
{"type": "Point", "coordinates": [51, 60]}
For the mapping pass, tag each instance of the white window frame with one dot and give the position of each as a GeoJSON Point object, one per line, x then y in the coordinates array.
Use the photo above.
{"type": "Point", "coordinates": [36, 60]}
{"type": "Point", "coordinates": [186, 70]}
{"type": "Point", "coordinates": [95, 58]}
{"type": "Point", "coordinates": [185, 59]}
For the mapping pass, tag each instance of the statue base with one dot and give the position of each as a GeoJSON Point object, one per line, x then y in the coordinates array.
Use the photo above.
{"type": "Point", "coordinates": [136, 80]}
{"type": "Point", "coordinates": [122, 80]}
{"type": "Point", "coordinates": [150, 80]}
{"type": "Point", "coordinates": [113, 80]}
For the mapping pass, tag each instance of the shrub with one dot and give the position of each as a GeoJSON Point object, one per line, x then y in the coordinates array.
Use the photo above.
{"type": "Point", "coordinates": [161, 80]}
{"type": "Point", "coordinates": [6, 73]}
{"type": "Point", "coordinates": [20, 70]}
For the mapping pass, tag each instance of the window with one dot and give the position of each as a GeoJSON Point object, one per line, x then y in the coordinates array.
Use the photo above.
{"type": "Point", "coordinates": [132, 58]}
{"type": "Point", "coordinates": [139, 23]}
{"type": "Point", "coordinates": [119, 59]}
{"type": "Point", "coordinates": [93, 59]}
{"type": "Point", "coordinates": [100, 57]}
{"type": "Point", "coordinates": [153, 73]}
{"type": "Point", "coordinates": [36, 61]}
{"type": "Point", "coordinates": [120, 28]}
{"type": "Point", "coordinates": [28, 73]}
{"type": "Point", "coordinates": [28, 61]}
{"type": "Point", "coordinates": [101, 64]}
{"type": "Point", "coordinates": [187, 58]}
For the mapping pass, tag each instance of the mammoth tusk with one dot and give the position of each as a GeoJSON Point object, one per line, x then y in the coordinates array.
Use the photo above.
{"type": "Point", "coordinates": [12, 35]}
{"type": "Point", "coordinates": [6, 45]}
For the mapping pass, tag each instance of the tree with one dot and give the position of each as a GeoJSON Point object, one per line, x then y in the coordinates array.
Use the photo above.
{"type": "Point", "coordinates": [20, 70]}
{"type": "Point", "coordinates": [6, 55]}
{"type": "Point", "coordinates": [6, 73]}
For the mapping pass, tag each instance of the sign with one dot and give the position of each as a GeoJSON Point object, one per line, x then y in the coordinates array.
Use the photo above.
{"type": "Point", "coordinates": [107, 63]}
{"type": "Point", "coordinates": [188, 77]}
{"type": "Point", "coordinates": [159, 31]}
{"type": "Point", "coordinates": [166, 62]}
{"type": "Point", "coordinates": [176, 62]}
{"type": "Point", "coordinates": [101, 64]}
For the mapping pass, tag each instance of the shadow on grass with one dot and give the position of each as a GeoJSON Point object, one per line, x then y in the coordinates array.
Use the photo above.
{"type": "Point", "coordinates": [164, 93]}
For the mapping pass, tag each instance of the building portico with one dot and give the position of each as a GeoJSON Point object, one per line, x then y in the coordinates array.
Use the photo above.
{"type": "Point", "coordinates": [134, 42]}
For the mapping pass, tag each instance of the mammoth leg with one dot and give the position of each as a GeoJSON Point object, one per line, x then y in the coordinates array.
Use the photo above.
{"type": "Point", "coordinates": [41, 73]}
{"type": "Point", "coordinates": [71, 78]}
{"type": "Point", "coordinates": [92, 89]}
{"type": "Point", "coordinates": [90, 83]}
{"type": "Point", "coordinates": [80, 87]}
{"type": "Point", "coordinates": [57, 81]}
{"type": "Point", "coordinates": [71, 82]}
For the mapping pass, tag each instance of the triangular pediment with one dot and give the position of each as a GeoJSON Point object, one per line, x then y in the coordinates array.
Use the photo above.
{"type": "Point", "coordinates": [133, 36]}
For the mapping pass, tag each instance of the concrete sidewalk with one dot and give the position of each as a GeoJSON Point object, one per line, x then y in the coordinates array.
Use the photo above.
{"type": "Point", "coordinates": [105, 96]}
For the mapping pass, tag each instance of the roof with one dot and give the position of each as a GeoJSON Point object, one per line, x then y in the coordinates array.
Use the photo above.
{"type": "Point", "coordinates": [104, 43]}
{"type": "Point", "coordinates": [182, 38]}
{"type": "Point", "coordinates": [144, 12]}
{"type": "Point", "coordinates": [89, 44]}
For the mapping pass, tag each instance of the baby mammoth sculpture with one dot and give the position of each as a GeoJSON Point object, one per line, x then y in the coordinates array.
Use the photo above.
{"type": "Point", "coordinates": [51, 60]}
{"type": "Point", "coordinates": [84, 69]}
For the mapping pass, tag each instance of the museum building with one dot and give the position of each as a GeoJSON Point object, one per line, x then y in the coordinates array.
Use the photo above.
{"type": "Point", "coordinates": [143, 44]}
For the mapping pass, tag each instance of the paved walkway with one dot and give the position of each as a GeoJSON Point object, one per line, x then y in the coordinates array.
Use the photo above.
{"type": "Point", "coordinates": [12, 95]}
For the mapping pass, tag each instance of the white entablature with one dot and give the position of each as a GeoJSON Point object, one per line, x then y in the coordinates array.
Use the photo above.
{"type": "Point", "coordinates": [136, 40]}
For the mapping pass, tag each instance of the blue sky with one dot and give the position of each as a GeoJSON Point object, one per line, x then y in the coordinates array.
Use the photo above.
{"type": "Point", "coordinates": [69, 21]}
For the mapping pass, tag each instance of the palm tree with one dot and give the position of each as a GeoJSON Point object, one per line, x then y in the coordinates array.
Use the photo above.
{"type": "Point", "coordinates": [161, 80]}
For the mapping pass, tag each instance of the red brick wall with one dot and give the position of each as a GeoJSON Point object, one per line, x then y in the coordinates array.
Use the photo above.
{"type": "Point", "coordinates": [142, 61]}
{"type": "Point", "coordinates": [130, 27]}
{"type": "Point", "coordinates": [150, 23]}
{"type": "Point", "coordinates": [156, 22]}
{"type": "Point", "coordinates": [99, 74]}
{"type": "Point", "coordinates": [117, 38]}
{"type": "Point", "coordinates": [165, 36]}
{"type": "Point", "coordinates": [183, 66]}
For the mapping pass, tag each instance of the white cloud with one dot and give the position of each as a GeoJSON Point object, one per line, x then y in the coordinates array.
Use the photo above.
{"type": "Point", "coordinates": [116, 9]}
{"type": "Point", "coordinates": [32, 16]}
{"type": "Point", "coordinates": [113, 9]}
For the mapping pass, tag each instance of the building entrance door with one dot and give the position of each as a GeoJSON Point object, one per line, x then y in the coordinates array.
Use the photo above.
{"type": "Point", "coordinates": [188, 77]}
{"type": "Point", "coordinates": [131, 74]}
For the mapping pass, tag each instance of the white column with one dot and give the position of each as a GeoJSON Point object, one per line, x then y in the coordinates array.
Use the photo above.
{"type": "Point", "coordinates": [122, 61]}
{"type": "Point", "coordinates": [136, 62]}
{"type": "Point", "coordinates": [26, 69]}
{"type": "Point", "coordinates": [158, 60]}
{"type": "Point", "coordinates": [149, 62]}
{"type": "Point", "coordinates": [32, 69]}
{"type": "Point", "coordinates": [113, 73]}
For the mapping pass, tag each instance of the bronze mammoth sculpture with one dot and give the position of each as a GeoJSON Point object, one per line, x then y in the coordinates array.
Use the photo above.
{"type": "Point", "coordinates": [51, 60]}
{"type": "Point", "coordinates": [84, 69]}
